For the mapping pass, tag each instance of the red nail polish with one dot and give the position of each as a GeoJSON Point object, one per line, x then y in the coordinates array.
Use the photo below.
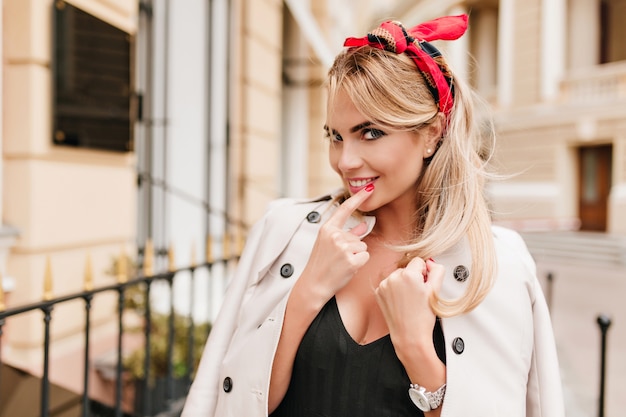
{"type": "Point", "coordinates": [369, 187]}
{"type": "Point", "coordinates": [431, 259]}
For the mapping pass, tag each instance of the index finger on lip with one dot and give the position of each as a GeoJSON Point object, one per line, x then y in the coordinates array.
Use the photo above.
{"type": "Point", "coordinates": [345, 210]}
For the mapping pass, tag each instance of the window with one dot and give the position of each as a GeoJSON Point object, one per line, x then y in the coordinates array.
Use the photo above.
{"type": "Point", "coordinates": [612, 31]}
{"type": "Point", "coordinates": [92, 82]}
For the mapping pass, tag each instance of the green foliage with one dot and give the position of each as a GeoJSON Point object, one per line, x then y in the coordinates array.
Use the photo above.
{"type": "Point", "coordinates": [159, 333]}
{"type": "Point", "coordinates": [132, 266]}
{"type": "Point", "coordinates": [135, 301]}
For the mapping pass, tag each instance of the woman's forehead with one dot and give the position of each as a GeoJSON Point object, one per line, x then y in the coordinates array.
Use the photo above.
{"type": "Point", "coordinates": [342, 112]}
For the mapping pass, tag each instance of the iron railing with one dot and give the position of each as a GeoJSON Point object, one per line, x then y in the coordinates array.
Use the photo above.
{"type": "Point", "coordinates": [604, 322]}
{"type": "Point", "coordinates": [142, 282]}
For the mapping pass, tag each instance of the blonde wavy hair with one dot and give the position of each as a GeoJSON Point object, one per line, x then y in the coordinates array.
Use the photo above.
{"type": "Point", "coordinates": [451, 206]}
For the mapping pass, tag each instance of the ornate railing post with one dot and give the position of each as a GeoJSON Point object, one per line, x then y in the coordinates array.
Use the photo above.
{"type": "Point", "coordinates": [47, 317]}
{"type": "Point", "coordinates": [88, 286]}
{"type": "Point", "coordinates": [550, 289]}
{"type": "Point", "coordinates": [604, 322]}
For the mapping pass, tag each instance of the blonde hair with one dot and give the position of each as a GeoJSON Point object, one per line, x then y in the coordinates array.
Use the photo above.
{"type": "Point", "coordinates": [388, 90]}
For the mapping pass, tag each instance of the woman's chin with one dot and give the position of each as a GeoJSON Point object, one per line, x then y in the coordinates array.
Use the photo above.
{"type": "Point", "coordinates": [368, 207]}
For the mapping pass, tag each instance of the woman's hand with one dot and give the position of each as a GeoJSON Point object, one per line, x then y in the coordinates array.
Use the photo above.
{"type": "Point", "coordinates": [404, 297]}
{"type": "Point", "coordinates": [335, 258]}
{"type": "Point", "coordinates": [337, 254]}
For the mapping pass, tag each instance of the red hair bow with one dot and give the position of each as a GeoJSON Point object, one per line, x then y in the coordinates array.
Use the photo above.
{"type": "Point", "coordinates": [393, 37]}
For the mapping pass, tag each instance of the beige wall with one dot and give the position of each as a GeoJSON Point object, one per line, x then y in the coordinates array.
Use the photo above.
{"type": "Point", "coordinates": [538, 152]}
{"type": "Point", "coordinates": [256, 106]}
{"type": "Point", "coordinates": [322, 178]}
{"type": "Point", "coordinates": [67, 203]}
{"type": "Point", "coordinates": [527, 63]}
{"type": "Point", "coordinates": [538, 140]}
{"type": "Point", "coordinates": [256, 110]}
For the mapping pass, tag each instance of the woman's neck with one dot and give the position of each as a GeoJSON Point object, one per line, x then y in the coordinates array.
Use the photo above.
{"type": "Point", "coordinates": [393, 229]}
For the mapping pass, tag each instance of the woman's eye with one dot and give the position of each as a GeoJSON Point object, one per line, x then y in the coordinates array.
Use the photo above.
{"type": "Point", "coordinates": [334, 137]}
{"type": "Point", "coordinates": [372, 134]}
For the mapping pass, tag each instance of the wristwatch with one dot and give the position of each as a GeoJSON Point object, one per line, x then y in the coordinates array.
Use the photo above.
{"type": "Point", "coordinates": [424, 400]}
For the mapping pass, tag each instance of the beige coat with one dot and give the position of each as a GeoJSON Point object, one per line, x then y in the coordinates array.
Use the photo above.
{"type": "Point", "coordinates": [501, 357]}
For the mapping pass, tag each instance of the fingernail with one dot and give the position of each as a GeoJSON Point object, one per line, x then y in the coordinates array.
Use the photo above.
{"type": "Point", "coordinates": [431, 259]}
{"type": "Point", "coordinates": [369, 187]}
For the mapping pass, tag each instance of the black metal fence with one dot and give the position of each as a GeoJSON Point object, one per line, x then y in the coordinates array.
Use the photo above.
{"type": "Point", "coordinates": [165, 395]}
{"type": "Point", "coordinates": [604, 322]}
{"type": "Point", "coordinates": [152, 397]}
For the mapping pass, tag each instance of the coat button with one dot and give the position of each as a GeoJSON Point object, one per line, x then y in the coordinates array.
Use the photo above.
{"type": "Point", "coordinates": [313, 217]}
{"type": "Point", "coordinates": [227, 384]}
{"type": "Point", "coordinates": [286, 270]}
{"type": "Point", "coordinates": [458, 345]}
{"type": "Point", "coordinates": [461, 273]}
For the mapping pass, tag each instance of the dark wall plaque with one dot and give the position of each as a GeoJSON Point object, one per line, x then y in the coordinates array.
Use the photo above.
{"type": "Point", "coordinates": [92, 69]}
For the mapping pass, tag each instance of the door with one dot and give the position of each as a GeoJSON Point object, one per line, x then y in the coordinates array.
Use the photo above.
{"type": "Point", "coordinates": [594, 186]}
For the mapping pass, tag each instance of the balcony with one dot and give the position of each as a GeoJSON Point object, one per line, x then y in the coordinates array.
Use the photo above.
{"type": "Point", "coordinates": [602, 84]}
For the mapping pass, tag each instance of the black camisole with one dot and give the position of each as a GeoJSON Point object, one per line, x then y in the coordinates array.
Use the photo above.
{"type": "Point", "coordinates": [333, 376]}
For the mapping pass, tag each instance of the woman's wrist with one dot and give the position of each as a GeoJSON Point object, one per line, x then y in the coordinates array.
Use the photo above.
{"type": "Point", "coordinates": [423, 366]}
{"type": "Point", "coordinates": [308, 298]}
{"type": "Point", "coordinates": [416, 349]}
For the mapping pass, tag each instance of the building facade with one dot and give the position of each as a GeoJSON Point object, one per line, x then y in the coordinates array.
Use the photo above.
{"type": "Point", "coordinates": [553, 72]}
{"type": "Point", "coordinates": [225, 113]}
{"type": "Point", "coordinates": [560, 113]}
{"type": "Point", "coordinates": [68, 205]}
{"type": "Point", "coordinates": [126, 121]}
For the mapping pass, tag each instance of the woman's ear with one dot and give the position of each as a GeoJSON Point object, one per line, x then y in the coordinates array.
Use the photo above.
{"type": "Point", "coordinates": [432, 134]}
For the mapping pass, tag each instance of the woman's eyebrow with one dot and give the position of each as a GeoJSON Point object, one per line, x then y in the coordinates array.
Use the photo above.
{"type": "Point", "coordinates": [360, 126]}
{"type": "Point", "coordinates": [352, 129]}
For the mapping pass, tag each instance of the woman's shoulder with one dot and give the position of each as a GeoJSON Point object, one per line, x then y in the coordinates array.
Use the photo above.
{"type": "Point", "coordinates": [508, 236]}
{"type": "Point", "coordinates": [511, 248]}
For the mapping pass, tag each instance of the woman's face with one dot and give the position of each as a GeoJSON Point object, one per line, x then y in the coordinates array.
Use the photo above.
{"type": "Point", "coordinates": [361, 153]}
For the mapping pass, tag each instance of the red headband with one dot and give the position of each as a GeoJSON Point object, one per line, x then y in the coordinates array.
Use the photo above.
{"type": "Point", "coordinates": [393, 37]}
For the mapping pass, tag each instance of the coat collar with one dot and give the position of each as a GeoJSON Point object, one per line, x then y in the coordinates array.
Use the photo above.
{"type": "Point", "coordinates": [288, 216]}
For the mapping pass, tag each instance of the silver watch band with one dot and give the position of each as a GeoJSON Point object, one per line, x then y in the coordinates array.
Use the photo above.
{"type": "Point", "coordinates": [425, 400]}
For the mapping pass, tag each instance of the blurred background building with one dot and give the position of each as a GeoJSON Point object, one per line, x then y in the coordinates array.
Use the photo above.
{"type": "Point", "coordinates": [125, 121]}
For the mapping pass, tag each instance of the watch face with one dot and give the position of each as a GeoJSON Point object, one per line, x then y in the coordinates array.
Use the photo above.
{"type": "Point", "coordinates": [419, 399]}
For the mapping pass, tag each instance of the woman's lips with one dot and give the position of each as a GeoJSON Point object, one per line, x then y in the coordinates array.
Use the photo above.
{"type": "Point", "coordinates": [356, 184]}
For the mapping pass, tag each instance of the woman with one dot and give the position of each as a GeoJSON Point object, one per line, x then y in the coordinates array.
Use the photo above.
{"type": "Point", "coordinates": [394, 296]}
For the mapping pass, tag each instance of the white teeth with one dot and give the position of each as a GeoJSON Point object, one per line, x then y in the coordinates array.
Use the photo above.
{"type": "Point", "coordinates": [358, 183]}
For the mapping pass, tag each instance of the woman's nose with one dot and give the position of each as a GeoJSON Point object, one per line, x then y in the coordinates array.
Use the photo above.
{"type": "Point", "coordinates": [350, 157]}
